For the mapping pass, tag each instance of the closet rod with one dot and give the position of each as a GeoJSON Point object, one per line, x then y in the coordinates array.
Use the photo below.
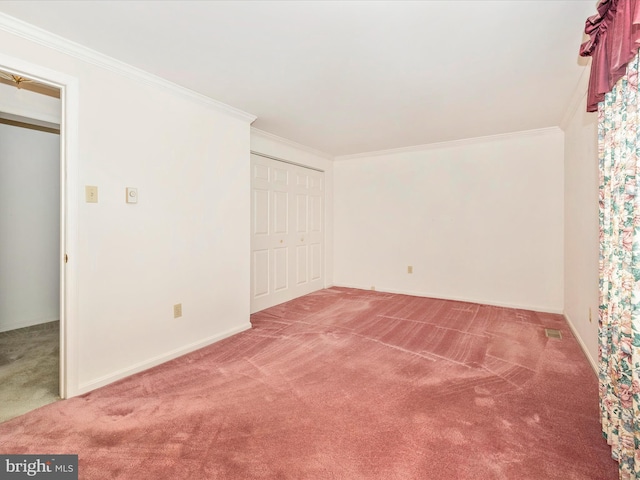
{"type": "Point", "coordinates": [30, 126]}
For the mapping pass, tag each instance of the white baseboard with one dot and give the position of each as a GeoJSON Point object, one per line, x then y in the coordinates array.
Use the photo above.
{"type": "Point", "coordinates": [481, 301]}
{"type": "Point", "coordinates": [28, 323]}
{"type": "Point", "coordinates": [152, 362]}
{"type": "Point", "coordinates": [592, 361]}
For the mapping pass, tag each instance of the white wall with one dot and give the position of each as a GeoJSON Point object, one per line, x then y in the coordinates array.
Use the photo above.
{"type": "Point", "coordinates": [29, 227]}
{"type": "Point", "coordinates": [187, 240]}
{"type": "Point", "coordinates": [581, 226]}
{"type": "Point", "coordinates": [268, 144]}
{"type": "Point", "coordinates": [479, 220]}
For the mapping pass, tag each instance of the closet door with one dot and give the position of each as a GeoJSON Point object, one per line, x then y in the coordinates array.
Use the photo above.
{"type": "Point", "coordinates": [308, 229]}
{"type": "Point", "coordinates": [286, 231]}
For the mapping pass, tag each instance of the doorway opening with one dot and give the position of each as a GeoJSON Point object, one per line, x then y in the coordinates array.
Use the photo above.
{"type": "Point", "coordinates": [33, 238]}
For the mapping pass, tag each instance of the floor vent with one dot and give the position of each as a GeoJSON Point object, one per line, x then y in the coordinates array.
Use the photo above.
{"type": "Point", "coordinates": [552, 333]}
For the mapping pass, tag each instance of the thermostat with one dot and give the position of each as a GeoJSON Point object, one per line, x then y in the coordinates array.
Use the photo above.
{"type": "Point", "coordinates": [132, 195]}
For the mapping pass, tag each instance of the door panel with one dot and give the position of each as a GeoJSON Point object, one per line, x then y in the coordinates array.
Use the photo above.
{"type": "Point", "coordinates": [260, 272]}
{"type": "Point", "coordinates": [302, 262]}
{"type": "Point", "coordinates": [315, 181]}
{"type": "Point", "coordinates": [315, 213]}
{"type": "Point", "coordinates": [281, 269]}
{"type": "Point", "coordinates": [261, 172]}
{"type": "Point", "coordinates": [301, 213]}
{"type": "Point", "coordinates": [316, 261]}
{"type": "Point", "coordinates": [261, 207]}
{"type": "Point", "coordinates": [280, 212]}
{"type": "Point", "coordinates": [279, 175]}
{"type": "Point", "coordinates": [302, 179]}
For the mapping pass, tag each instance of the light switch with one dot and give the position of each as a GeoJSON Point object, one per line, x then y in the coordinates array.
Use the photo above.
{"type": "Point", "coordinates": [91, 194]}
{"type": "Point", "coordinates": [132, 195]}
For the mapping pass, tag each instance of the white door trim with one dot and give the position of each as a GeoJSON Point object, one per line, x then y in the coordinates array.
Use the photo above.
{"type": "Point", "coordinates": [69, 95]}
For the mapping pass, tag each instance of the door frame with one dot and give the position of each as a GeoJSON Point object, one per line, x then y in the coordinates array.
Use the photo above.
{"type": "Point", "coordinates": [69, 94]}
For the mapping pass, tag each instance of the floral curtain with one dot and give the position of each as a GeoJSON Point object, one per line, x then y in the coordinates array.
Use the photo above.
{"type": "Point", "coordinates": [619, 333]}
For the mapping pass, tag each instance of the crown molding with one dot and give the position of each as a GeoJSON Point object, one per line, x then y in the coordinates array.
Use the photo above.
{"type": "Point", "coordinates": [451, 143]}
{"type": "Point", "coordinates": [43, 37]}
{"type": "Point", "coordinates": [290, 143]}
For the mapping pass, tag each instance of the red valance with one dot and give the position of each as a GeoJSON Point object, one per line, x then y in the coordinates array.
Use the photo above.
{"type": "Point", "coordinates": [614, 40]}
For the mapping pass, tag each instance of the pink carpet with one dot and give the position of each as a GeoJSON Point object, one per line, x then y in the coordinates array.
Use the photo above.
{"type": "Point", "coordinates": [345, 384]}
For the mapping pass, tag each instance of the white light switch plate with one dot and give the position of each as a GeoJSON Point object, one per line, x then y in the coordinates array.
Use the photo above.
{"type": "Point", "coordinates": [132, 195]}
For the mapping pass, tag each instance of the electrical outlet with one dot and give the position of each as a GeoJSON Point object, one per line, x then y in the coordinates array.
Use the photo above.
{"type": "Point", "coordinates": [177, 310]}
{"type": "Point", "coordinates": [373, 288]}
{"type": "Point", "coordinates": [409, 269]}
{"type": "Point", "coordinates": [91, 194]}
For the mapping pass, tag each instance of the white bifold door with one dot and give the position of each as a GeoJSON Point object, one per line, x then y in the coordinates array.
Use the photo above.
{"type": "Point", "coordinates": [287, 203]}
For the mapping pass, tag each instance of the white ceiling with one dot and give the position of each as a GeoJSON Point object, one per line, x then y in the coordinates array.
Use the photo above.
{"type": "Point", "coordinates": [347, 77]}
